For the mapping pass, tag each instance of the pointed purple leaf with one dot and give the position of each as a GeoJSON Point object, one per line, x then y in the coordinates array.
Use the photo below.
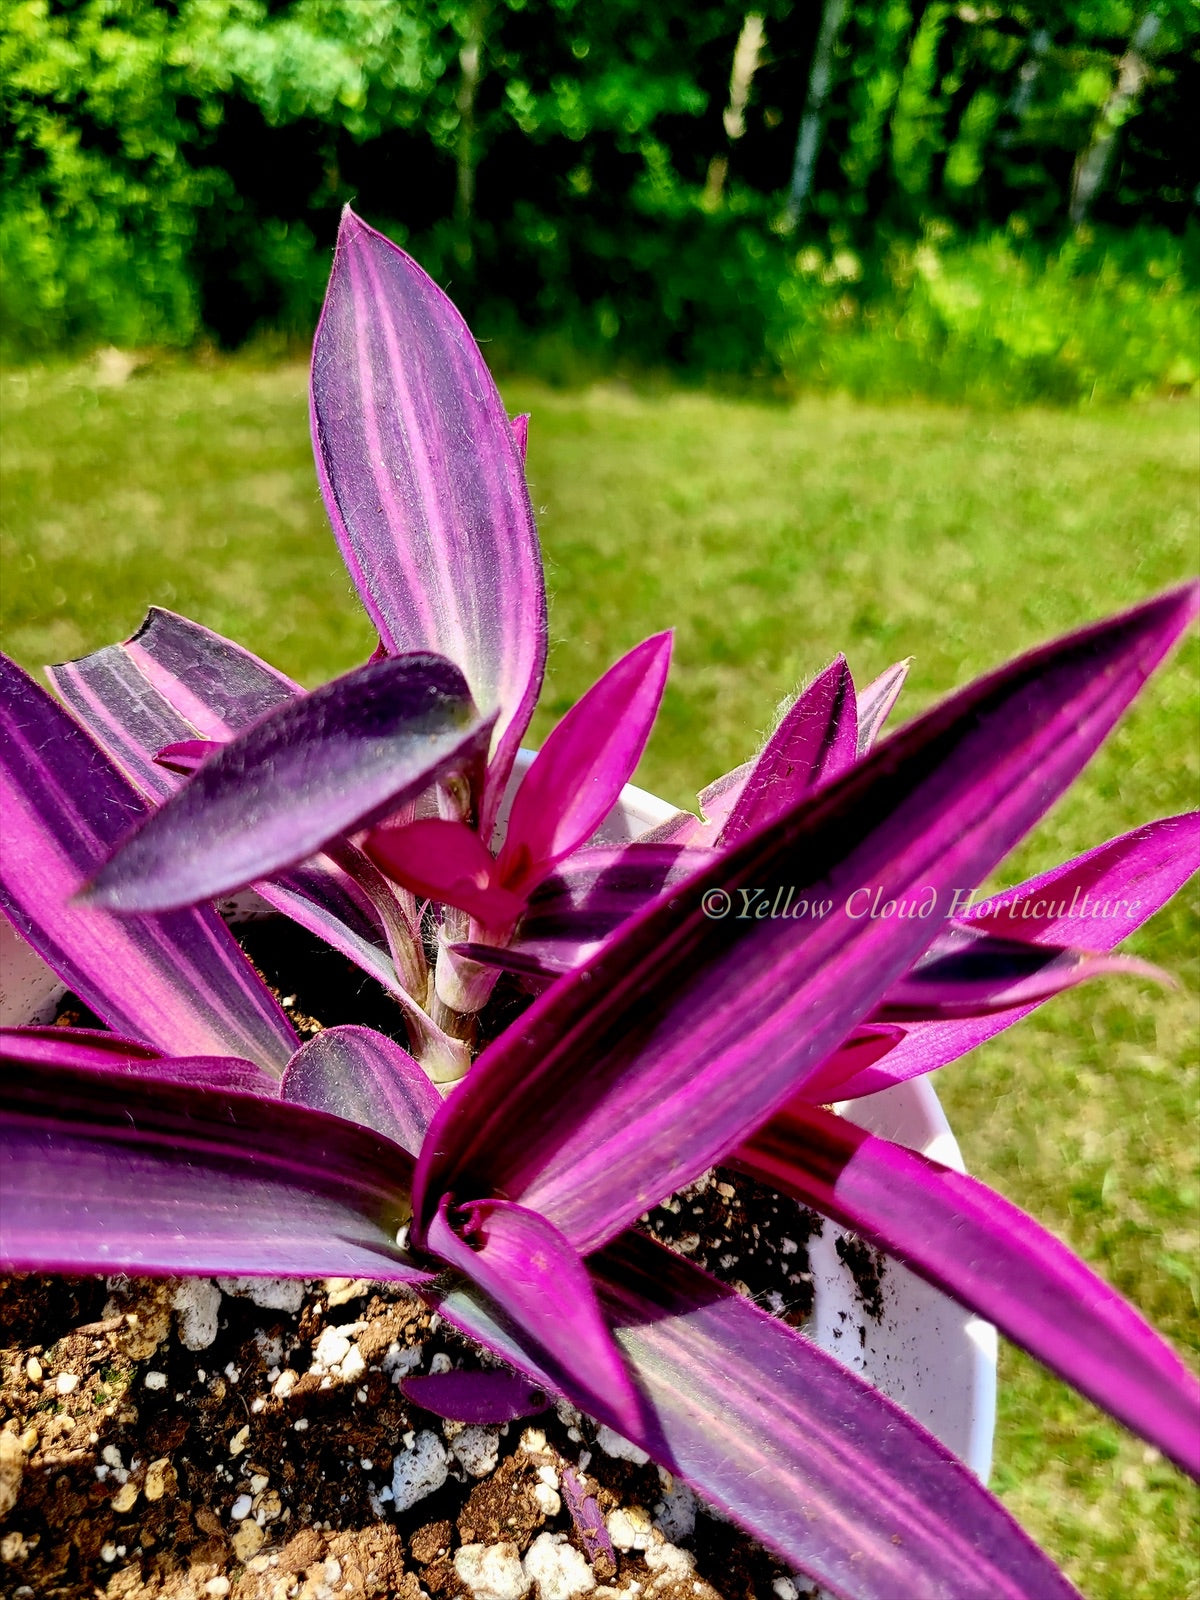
{"type": "Point", "coordinates": [1128, 879]}
{"type": "Point", "coordinates": [524, 1264]}
{"type": "Point", "coordinates": [970, 972]}
{"type": "Point", "coordinates": [314, 769]}
{"type": "Point", "coordinates": [816, 742]}
{"type": "Point", "coordinates": [100, 1172]}
{"type": "Point", "coordinates": [971, 1243]}
{"type": "Point", "coordinates": [488, 1398]}
{"type": "Point", "coordinates": [178, 982]}
{"type": "Point", "coordinates": [799, 1451]}
{"type": "Point", "coordinates": [358, 1074]}
{"type": "Point", "coordinates": [424, 483]}
{"type": "Point", "coordinates": [175, 677]}
{"type": "Point", "coordinates": [105, 1052]}
{"type": "Point", "coordinates": [520, 432]}
{"type": "Point", "coordinates": [876, 701]}
{"type": "Point", "coordinates": [634, 1074]}
{"type": "Point", "coordinates": [185, 755]}
{"type": "Point", "coordinates": [577, 776]}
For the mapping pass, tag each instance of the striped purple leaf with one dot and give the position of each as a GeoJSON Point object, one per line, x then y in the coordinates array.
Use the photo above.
{"type": "Point", "coordinates": [631, 1076]}
{"type": "Point", "coordinates": [178, 981]}
{"type": "Point", "coordinates": [977, 1247]}
{"type": "Point", "coordinates": [424, 482]}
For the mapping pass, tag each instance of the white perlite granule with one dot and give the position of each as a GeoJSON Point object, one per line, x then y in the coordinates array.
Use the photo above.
{"type": "Point", "coordinates": [492, 1571]}
{"type": "Point", "coordinates": [269, 1294]}
{"type": "Point", "coordinates": [557, 1568]}
{"type": "Point", "coordinates": [477, 1449]}
{"type": "Point", "coordinates": [420, 1470]}
{"type": "Point", "coordinates": [198, 1303]}
{"type": "Point", "coordinates": [620, 1449]}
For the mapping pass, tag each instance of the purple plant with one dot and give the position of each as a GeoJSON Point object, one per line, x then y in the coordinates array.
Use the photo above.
{"type": "Point", "coordinates": [680, 1024]}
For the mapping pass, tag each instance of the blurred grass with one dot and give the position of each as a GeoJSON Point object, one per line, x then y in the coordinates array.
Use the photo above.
{"type": "Point", "coordinates": [770, 537]}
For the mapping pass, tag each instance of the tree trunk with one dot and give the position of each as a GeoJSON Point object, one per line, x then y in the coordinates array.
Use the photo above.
{"type": "Point", "coordinates": [1091, 166]}
{"type": "Point", "coordinates": [812, 123]}
{"type": "Point", "coordinates": [746, 57]}
{"type": "Point", "coordinates": [470, 63]}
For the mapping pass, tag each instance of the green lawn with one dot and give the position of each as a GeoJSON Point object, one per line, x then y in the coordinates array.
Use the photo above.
{"type": "Point", "coordinates": [770, 537]}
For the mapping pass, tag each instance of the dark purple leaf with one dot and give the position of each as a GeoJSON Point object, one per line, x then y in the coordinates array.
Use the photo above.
{"type": "Point", "coordinates": [105, 1052]}
{"type": "Point", "coordinates": [155, 692]}
{"type": "Point", "coordinates": [314, 769]}
{"type": "Point", "coordinates": [969, 972]}
{"type": "Point", "coordinates": [526, 1267]}
{"type": "Point", "coordinates": [816, 742]}
{"type": "Point", "coordinates": [800, 1452]}
{"type": "Point", "coordinates": [424, 483]}
{"type": "Point", "coordinates": [634, 1074]}
{"type": "Point", "coordinates": [1126, 880]}
{"type": "Point", "coordinates": [178, 982]}
{"type": "Point", "coordinates": [358, 1074]}
{"type": "Point", "coordinates": [101, 1172]}
{"type": "Point", "coordinates": [487, 1398]}
{"type": "Point", "coordinates": [971, 1243]}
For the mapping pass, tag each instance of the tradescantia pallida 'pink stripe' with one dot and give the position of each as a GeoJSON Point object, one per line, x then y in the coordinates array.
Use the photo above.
{"type": "Point", "coordinates": [488, 1397]}
{"type": "Point", "coordinates": [977, 1247]}
{"type": "Point", "coordinates": [100, 1171]}
{"type": "Point", "coordinates": [1094, 901]}
{"type": "Point", "coordinates": [179, 981]}
{"type": "Point", "coordinates": [572, 784]}
{"type": "Point", "coordinates": [634, 1074]}
{"type": "Point", "coordinates": [815, 743]}
{"type": "Point", "coordinates": [308, 772]}
{"type": "Point", "coordinates": [156, 691]}
{"type": "Point", "coordinates": [876, 701]}
{"type": "Point", "coordinates": [796, 1449]}
{"type": "Point", "coordinates": [577, 776]}
{"type": "Point", "coordinates": [106, 1052]}
{"type": "Point", "coordinates": [360, 1075]}
{"type": "Point", "coordinates": [424, 483]}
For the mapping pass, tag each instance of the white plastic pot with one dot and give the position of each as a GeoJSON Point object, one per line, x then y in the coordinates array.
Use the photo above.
{"type": "Point", "coordinates": [932, 1357]}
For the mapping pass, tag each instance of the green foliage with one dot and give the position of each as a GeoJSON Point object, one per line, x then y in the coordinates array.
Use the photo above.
{"type": "Point", "coordinates": [174, 169]}
{"type": "Point", "coordinates": [996, 320]}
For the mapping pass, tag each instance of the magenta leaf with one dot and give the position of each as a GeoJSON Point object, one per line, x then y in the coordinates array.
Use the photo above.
{"type": "Point", "coordinates": [360, 1075]}
{"type": "Point", "coordinates": [185, 755]}
{"type": "Point", "coordinates": [106, 1052]}
{"type": "Point", "coordinates": [577, 776]}
{"type": "Point", "coordinates": [632, 1075]}
{"type": "Point", "coordinates": [315, 768]}
{"type": "Point", "coordinates": [488, 1397]}
{"type": "Point", "coordinates": [799, 1451]}
{"type": "Point", "coordinates": [177, 982]}
{"type": "Point", "coordinates": [448, 862]}
{"type": "Point", "coordinates": [520, 432]}
{"type": "Point", "coordinates": [526, 1267]}
{"type": "Point", "coordinates": [592, 893]}
{"type": "Point", "coordinates": [101, 1171]}
{"type": "Point", "coordinates": [970, 972]}
{"type": "Point", "coordinates": [1094, 901]}
{"type": "Point", "coordinates": [816, 742]}
{"type": "Point", "coordinates": [424, 483]}
{"type": "Point", "coordinates": [977, 1247]}
{"type": "Point", "coordinates": [875, 703]}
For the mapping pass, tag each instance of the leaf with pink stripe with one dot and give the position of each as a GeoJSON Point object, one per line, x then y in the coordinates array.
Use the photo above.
{"type": "Point", "coordinates": [178, 981]}
{"type": "Point", "coordinates": [424, 483]}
